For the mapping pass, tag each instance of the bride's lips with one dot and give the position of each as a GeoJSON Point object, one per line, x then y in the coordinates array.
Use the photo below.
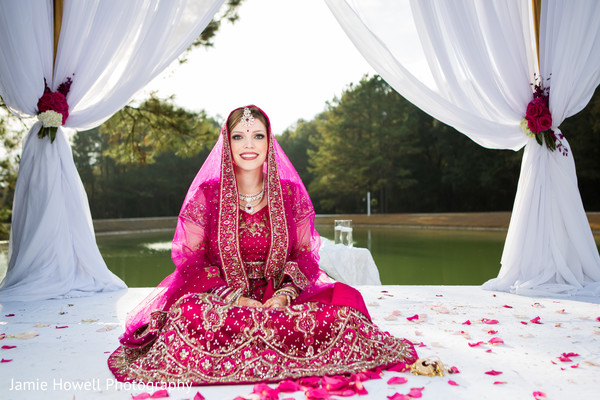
{"type": "Point", "coordinates": [249, 156]}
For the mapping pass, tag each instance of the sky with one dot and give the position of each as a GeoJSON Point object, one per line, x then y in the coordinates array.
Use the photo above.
{"type": "Point", "coordinates": [288, 57]}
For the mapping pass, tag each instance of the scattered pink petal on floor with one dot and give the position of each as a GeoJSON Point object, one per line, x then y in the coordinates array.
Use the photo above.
{"type": "Point", "coordinates": [539, 395]}
{"type": "Point", "coordinates": [506, 306]}
{"type": "Point", "coordinates": [397, 380]}
{"type": "Point", "coordinates": [317, 394]}
{"type": "Point", "coordinates": [492, 332]}
{"type": "Point", "coordinates": [62, 327]}
{"type": "Point", "coordinates": [500, 383]}
{"type": "Point", "coordinates": [288, 386]}
{"type": "Point", "coordinates": [451, 382]}
{"type": "Point", "coordinates": [536, 320]}
{"type": "Point", "coordinates": [454, 370]}
{"type": "Point", "coordinates": [398, 396]}
{"type": "Point", "coordinates": [467, 322]}
{"type": "Point", "coordinates": [496, 341]}
{"type": "Point", "coordinates": [524, 323]}
{"type": "Point", "coordinates": [198, 396]}
{"type": "Point", "coordinates": [9, 315]}
{"type": "Point", "coordinates": [493, 373]}
{"type": "Point", "coordinates": [475, 344]}
{"type": "Point", "coordinates": [414, 317]}
{"type": "Point", "coordinates": [265, 392]}
{"type": "Point", "coordinates": [489, 321]}
{"type": "Point", "coordinates": [5, 347]}
{"type": "Point", "coordinates": [575, 366]}
{"type": "Point", "coordinates": [5, 360]}
{"type": "Point", "coordinates": [415, 393]}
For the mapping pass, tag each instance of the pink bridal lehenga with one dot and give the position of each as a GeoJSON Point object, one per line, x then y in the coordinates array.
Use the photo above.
{"type": "Point", "coordinates": [190, 331]}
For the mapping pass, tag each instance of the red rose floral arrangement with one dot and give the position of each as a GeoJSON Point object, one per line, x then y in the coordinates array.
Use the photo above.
{"type": "Point", "coordinates": [538, 120]}
{"type": "Point", "coordinates": [53, 109]}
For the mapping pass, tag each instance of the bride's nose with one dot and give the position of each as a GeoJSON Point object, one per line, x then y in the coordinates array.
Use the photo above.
{"type": "Point", "coordinates": [249, 143]}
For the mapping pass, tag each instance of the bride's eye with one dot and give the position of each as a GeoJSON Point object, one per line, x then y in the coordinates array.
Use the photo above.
{"type": "Point", "coordinates": [236, 137]}
{"type": "Point", "coordinates": [259, 136]}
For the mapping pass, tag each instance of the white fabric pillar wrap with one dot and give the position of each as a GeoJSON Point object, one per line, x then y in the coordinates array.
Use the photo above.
{"type": "Point", "coordinates": [470, 63]}
{"type": "Point", "coordinates": [110, 49]}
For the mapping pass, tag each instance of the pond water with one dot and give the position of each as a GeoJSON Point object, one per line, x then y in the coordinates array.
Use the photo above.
{"type": "Point", "coordinates": [403, 256]}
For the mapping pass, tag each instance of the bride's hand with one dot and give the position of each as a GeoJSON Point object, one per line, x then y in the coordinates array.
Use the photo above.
{"type": "Point", "coordinates": [277, 301]}
{"type": "Point", "coordinates": [247, 302]}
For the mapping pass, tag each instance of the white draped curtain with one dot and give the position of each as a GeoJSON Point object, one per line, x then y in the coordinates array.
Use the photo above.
{"type": "Point", "coordinates": [110, 49]}
{"type": "Point", "coordinates": [470, 64]}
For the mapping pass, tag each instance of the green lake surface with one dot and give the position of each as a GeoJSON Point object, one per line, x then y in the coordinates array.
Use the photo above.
{"type": "Point", "coordinates": [404, 256]}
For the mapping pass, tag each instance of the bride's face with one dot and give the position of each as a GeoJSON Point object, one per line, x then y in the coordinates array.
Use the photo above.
{"type": "Point", "coordinates": [249, 145]}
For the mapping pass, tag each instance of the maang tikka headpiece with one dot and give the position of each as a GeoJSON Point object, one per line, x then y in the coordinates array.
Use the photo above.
{"type": "Point", "coordinates": [247, 119]}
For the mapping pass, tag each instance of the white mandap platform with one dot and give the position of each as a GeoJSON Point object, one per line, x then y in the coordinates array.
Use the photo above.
{"type": "Point", "coordinates": [550, 347]}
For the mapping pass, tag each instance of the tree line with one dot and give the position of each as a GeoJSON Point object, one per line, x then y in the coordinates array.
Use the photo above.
{"type": "Point", "coordinates": [369, 139]}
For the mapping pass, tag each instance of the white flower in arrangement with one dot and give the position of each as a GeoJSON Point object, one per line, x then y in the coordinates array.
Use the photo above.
{"type": "Point", "coordinates": [50, 119]}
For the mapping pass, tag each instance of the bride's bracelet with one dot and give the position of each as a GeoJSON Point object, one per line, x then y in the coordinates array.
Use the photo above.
{"type": "Point", "coordinates": [289, 292]}
{"type": "Point", "coordinates": [233, 297]}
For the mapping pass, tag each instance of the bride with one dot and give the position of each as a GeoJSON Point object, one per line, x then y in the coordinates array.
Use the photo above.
{"type": "Point", "coordinates": [247, 301]}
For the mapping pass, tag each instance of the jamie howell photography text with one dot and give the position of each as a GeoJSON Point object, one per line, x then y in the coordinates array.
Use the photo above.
{"type": "Point", "coordinates": [90, 385]}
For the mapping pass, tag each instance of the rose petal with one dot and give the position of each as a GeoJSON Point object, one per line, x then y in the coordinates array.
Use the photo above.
{"type": "Point", "coordinates": [475, 344]}
{"type": "Point", "coordinates": [9, 315]}
{"type": "Point", "coordinates": [496, 341]}
{"type": "Point", "coordinates": [62, 327]}
{"type": "Point", "coordinates": [506, 306]}
{"type": "Point", "coordinates": [5, 347]}
{"type": "Point", "coordinates": [467, 322]}
{"type": "Point", "coordinates": [524, 323]}
{"type": "Point", "coordinates": [570, 354]}
{"type": "Point", "coordinates": [564, 359]}
{"type": "Point", "coordinates": [451, 382]}
{"type": "Point", "coordinates": [539, 395]}
{"type": "Point", "coordinates": [265, 391]}
{"type": "Point", "coordinates": [454, 370]}
{"type": "Point", "coordinates": [5, 360]}
{"type": "Point", "coordinates": [397, 380]}
{"type": "Point", "coordinates": [198, 396]}
{"type": "Point", "coordinates": [398, 396]}
{"type": "Point", "coordinates": [489, 321]}
{"type": "Point", "coordinates": [141, 396]}
{"type": "Point", "coordinates": [500, 383]}
{"type": "Point", "coordinates": [493, 373]}
{"type": "Point", "coordinates": [334, 383]}
{"type": "Point", "coordinates": [416, 392]}
{"type": "Point", "coordinates": [492, 332]}
{"type": "Point", "coordinates": [575, 366]}
{"type": "Point", "coordinates": [416, 316]}
{"type": "Point", "coordinates": [288, 386]}
{"type": "Point", "coordinates": [536, 320]}
{"type": "Point", "coordinates": [317, 394]}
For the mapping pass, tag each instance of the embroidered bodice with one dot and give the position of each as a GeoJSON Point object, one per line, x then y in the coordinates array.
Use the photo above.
{"type": "Point", "coordinates": [254, 235]}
